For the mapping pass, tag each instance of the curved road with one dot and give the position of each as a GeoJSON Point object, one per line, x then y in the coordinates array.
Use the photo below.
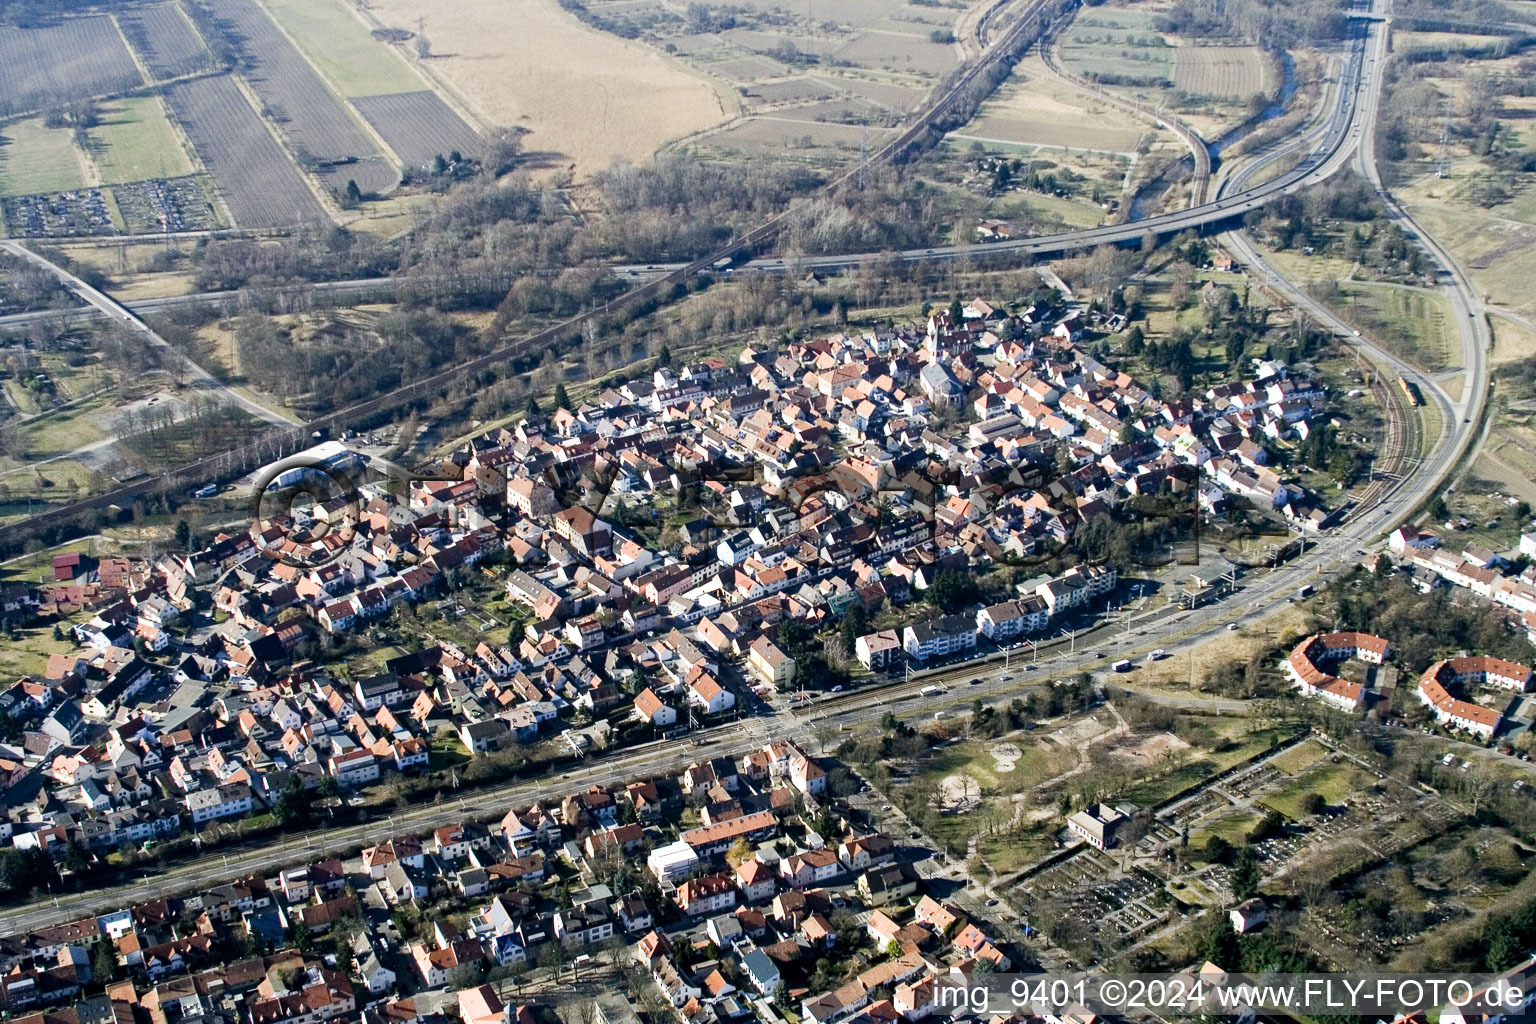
{"type": "Point", "coordinates": [1132, 634]}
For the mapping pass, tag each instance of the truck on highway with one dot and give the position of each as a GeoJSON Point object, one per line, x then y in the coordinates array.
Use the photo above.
{"type": "Point", "coordinates": [1123, 665]}
{"type": "Point", "coordinates": [1305, 591]}
{"type": "Point", "coordinates": [206, 491]}
{"type": "Point", "coordinates": [930, 691]}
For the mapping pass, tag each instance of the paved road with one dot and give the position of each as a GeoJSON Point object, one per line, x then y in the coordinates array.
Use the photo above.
{"type": "Point", "coordinates": [111, 308]}
{"type": "Point", "coordinates": [1254, 596]}
{"type": "Point", "coordinates": [1333, 139]}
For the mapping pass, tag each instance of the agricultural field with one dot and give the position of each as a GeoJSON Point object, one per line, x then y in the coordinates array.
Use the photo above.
{"type": "Point", "coordinates": [36, 160]}
{"type": "Point", "coordinates": [1207, 86]}
{"type": "Point", "coordinates": [1038, 112]}
{"type": "Point", "coordinates": [585, 97]}
{"type": "Point", "coordinates": [133, 141]}
{"type": "Point", "coordinates": [306, 110]}
{"type": "Point", "coordinates": [342, 49]}
{"type": "Point", "coordinates": [165, 40]}
{"type": "Point", "coordinates": [55, 63]}
{"type": "Point", "coordinates": [258, 183]}
{"type": "Point", "coordinates": [1117, 41]}
{"type": "Point", "coordinates": [1228, 72]}
{"type": "Point", "coordinates": [813, 142]}
{"type": "Point", "coordinates": [418, 126]}
{"type": "Point", "coordinates": [900, 53]}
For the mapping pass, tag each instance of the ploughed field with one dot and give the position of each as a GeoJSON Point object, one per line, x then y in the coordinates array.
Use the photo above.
{"type": "Point", "coordinates": [418, 126]}
{"type": "Point", "coordinates": [296, 97]}
{"type": "Point", "coordinates": [53, 64]}
{"type": "Point", "coordinates": [260, 185]}
{"type": "Point", "coordinates": [165, 40]}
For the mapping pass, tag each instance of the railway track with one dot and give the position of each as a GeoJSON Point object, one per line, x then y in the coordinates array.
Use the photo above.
{"type": "Point", "coordinates": [944, 102]}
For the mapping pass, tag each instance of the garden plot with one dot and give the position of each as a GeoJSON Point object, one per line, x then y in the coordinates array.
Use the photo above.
{"type": "Point", "coordinates": [56, 63]}
{"type": "Point", "coordinates": [160, 205]}
{"type": "Point", "coordinates": [259, 184]}
{"type": "Point", "coordinates": [165, 40]}
{"type": "Point", "coordinates": [82, 211]}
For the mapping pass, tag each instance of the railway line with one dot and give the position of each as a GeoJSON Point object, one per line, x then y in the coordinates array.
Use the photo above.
{"type": "Point", "coordinates": [1391, 495]}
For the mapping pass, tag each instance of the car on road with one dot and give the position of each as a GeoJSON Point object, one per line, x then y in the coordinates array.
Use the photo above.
{"type": "Point", "coordinates": [1232, 627]}
{"type": "Point", "coordinates": [975, 682]}
{"type": "Point", "coordinates": [992, 902]}
{"type": "Point", "coordinates": [1007, 678]}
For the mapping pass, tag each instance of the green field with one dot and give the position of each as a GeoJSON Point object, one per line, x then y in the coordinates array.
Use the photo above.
{"type": "Point", "coordinates": [342, 48]}
{"type": "Point", "coordinates": [34, 159]}
{"type": "Point", "coordinates": [1234, 747]}
{"type": "Point", "coordinates": [1413, 324]}
{"type": "Point", "coordinates": [1233, 827]}
{"type": "Point", "coordinates": [64, 431]}
{"type": "Point", "coordinates": [135, 142]}
{"type": "Point", "coordinates": [1299, 758]}
{"type": "Point", "coordinates": [1333, 781]}
{"type": "Point", "coordinates": [972, 757]}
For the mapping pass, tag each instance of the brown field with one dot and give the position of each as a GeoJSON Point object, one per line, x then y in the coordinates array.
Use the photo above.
{"type": "Point", "coordinates": [897, 97]}
{"type": "Point", "coordinates": [307, 111]}
{"type": "Point", "coordinates": [1230, 71]}
{"type": "Point", "coordinates": [752, 68]}
{"type": "Point", "coordinates": [585, 97]}
{"type": "Point", "coordinates": [1043, 113]}
{"type": "Point", "coordinates": [1044, 131]}
{"type": "Point", "coordinates": [1280, 627]}
{"type": "Point", "coordinates": [1511, 341]}
{"type": "Point", "coordinates": [896, 52]}
{"type": "Point", "coordinates": [836, 111]}
{"type": "Point", "coordinates": [783, 137]}
{"type": "Point", "coordinates": [1451, 41]}
{"type": "Point", "coordinates": [789, 90]}
{"type": "Point", "coordinates": [165, 39]}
